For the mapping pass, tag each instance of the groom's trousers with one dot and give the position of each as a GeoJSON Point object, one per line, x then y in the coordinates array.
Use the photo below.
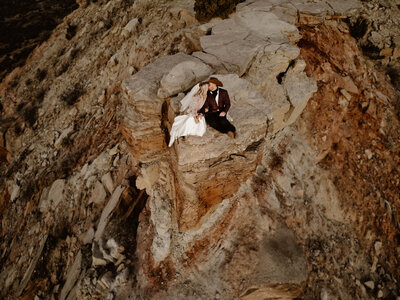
{"type": "Point", "coordinates": [219, 123]}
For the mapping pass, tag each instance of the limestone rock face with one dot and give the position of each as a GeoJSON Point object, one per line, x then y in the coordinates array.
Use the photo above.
{"type": "Point", "coordinates": [303, 203]}
{"type": "Point", "coordinates": [211, 167]}
{"type": "Point", "coordinates": [211, 171]}
{"type": "Point", "coordinates": [182, 77]}
{"type": "Point", "coordinates": [235, 42]}
{"type": "Point", "coordinates": [299, 88]}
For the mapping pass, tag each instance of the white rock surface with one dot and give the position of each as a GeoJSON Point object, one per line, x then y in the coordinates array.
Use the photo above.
{"type": "Point", "coordinates": [370, 284]}
{"type": "Point", "coordinates": [107, 211]}
{"type": "Point", "coordinates": [56, 192]}
{"type": "Point", "coordinates": [98, 193]}
{"type": "Point", "coordinates": [63, 135]}
{"type": "Point", "coordinates": [320, 8]}
{"type": "Point", "coordinates": [143, 86]}
{"type": "Point", "coordinates": [72, 276]}
{"type": "Point", "coordinates": [235, 42]}
{"type": "Point", "coordinates": [14, 192]}
{"type": "Point", "coordinates": [88, 236]}
{"type": "Point", "coordinates": [211, 60]}
{"type": "Point", "coordinates": [148, 177]}
{"type": "Point", "coordinates": [182, 77]}
{"type": "Point", "coordinates": [342, 7]}
{"type": "Point", "coordinates": [161, 218]}
{"type": "Point", "coordinates": [106, 179]}
{"type": "Point", "coordinates": [130, 27]}
{"type": "Point", "coordinates": [299, 88]}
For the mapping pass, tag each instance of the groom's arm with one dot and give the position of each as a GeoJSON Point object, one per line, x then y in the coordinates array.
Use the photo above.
{"type": "Point", "coordinates": [227, 102]}
{"type": "Point", "coordinates": [202, 110]}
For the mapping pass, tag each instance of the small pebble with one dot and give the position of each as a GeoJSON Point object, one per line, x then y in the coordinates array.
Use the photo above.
{"type": "Point", "coordinates": [368, 153]}
{"type": "Point", "coordinates": [369, 284]}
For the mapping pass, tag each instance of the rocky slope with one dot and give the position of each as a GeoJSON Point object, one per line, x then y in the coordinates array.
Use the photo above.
{"type": "Point", "coordinates": [304, 203]}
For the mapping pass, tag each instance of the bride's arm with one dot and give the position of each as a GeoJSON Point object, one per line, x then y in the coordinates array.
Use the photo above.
{"type": "Point", "coordinates": [196, 106]}
{"type": "Point", "coordinates": [202, 105]}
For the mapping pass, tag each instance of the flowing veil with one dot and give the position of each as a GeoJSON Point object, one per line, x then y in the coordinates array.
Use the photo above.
{"type": "Point", "coordinates": [185, 102]}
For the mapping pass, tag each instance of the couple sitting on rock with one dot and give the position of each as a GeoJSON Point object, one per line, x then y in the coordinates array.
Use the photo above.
{"type": "Point", "coordinates": [205, 103]}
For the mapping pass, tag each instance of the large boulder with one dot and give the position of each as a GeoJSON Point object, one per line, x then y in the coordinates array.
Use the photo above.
{"type": "Point", "coordinates": [236, 42]}
{"type": "Point", "coordinates": [266, 75]}
{"type": "Point", "coordinates": [267, 26]}
{"type": "Point", "coordinates": [183, 76]}
{"type": "Point", "coordinates": [233, 50]}
{"type": "Point", "coordinates": [343, 7]}
{"type": "Point", "coordinates": [320, 8]}
{"type": "Point", "coordinates": [299, 88]}
{"type": "Point", "coordinates": [143, 85]}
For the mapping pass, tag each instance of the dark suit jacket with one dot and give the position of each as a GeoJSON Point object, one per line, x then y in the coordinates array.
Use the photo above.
{"type": "Point", "coordinates": [224, 103]}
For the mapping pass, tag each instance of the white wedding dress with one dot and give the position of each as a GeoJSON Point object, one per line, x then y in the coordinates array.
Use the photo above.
{"type": "Point", "coordinates": [185, 124]}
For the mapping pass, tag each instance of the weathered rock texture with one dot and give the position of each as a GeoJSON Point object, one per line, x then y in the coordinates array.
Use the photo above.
{"type": "Point", "coordinates": [377, 30]}
{"type": "Point", "coordinates": [304, 203]}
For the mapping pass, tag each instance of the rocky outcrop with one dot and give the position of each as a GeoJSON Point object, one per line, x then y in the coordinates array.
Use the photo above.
{"type": "Point", "coordinates": [302, 204]}
{"type": "Point", "coordinates": [142, 110]}
{"type": "Point", "coordinates": [209, 177]}
{"type": "Point", "coordinates": [253, 115]}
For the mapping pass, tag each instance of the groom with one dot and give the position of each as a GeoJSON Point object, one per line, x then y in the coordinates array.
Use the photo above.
{"type": "Point", "coordinates": [216, 107]}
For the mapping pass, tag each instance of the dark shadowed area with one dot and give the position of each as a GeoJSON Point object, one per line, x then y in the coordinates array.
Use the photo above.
{"type": "Point", "coordinates": [24, 24]}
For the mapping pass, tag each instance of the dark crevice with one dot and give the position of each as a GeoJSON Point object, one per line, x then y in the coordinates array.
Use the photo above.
{"type": "Point", "coordinates": [358, 28]}
{"type": "Point", "coordinates": [164, 121]}
{"type": "Point", "coordinates": [371, 51]}
{"type": "Point", "coordinates": [280, 76]}
{"type": "Point", "coordinates": [206, 9]}
{"type": "Point", "coordinates": [71, 31]}
{"type": "Point", "coordinates": [49, 262]}
{"type": "Point", "coordinates": [124, 224]}
{"type": "Point", "coordinates": [254, 146]}
{"type": "Point", "coordinates": [394, 74]}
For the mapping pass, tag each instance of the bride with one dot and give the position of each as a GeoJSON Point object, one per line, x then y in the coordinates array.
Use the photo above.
{"type": "Point", "coordinates": [190, 123]}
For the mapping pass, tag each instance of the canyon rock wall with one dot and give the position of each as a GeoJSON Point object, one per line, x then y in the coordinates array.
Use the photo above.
{"type": "Point", "coordinates": [303, 203]}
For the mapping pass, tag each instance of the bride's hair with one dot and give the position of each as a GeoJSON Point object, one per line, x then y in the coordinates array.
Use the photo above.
{"type": "Point", "coordinates": [201, 88]}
